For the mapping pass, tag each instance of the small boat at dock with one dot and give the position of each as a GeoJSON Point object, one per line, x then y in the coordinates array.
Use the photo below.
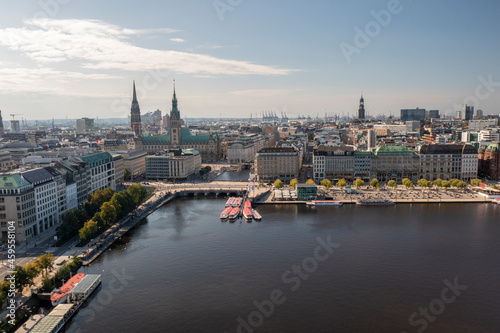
{"type": "Point", "coordinates": [248, 204]}
{"type": "Point", "coordinates": [256, 215]}
{"type": "Point", "coordinates": [229, 202]}
{"type": "Point", "coordinates": [324, 203]}
{"type": "Point", "coordinates": [237, 202]}
{"type": "Point", "coordinates": [496, 201]}
{"type": "Point", "coordinates": [61, 295]}
{"type": "Point", "coordinates": [225, 213]}
{"type": "Point", "coordinates": [235, 212]}
{"type": "Point", "coordinates": [247, 214]}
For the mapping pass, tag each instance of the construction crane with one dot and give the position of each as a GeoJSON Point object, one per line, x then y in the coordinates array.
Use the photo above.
{"type": "Point", "coordinates": [15, 114]}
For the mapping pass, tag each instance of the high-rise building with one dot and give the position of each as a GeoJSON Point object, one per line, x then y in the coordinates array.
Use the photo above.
{"type": "Point", "coordinates": [84, 125]}
{"type": "Point", "coordinates": [458, 114]}
{"type": "Point", "coordinates": [432, 114]}
{"type": "Point", "coordinates": [14, 126]}
{"type": "Point", "coordinates": [467, 112]}
{"type": "Point", "coordinates": [372, 139]}
{"type": "Point", "coordinates": [412, 114]}
{"type": "Point", "coordinates": [135, 116]}
{"type": "Point", "coordinates": [361, 110]}
{"type": "Point", "coordinates": [479, 113]}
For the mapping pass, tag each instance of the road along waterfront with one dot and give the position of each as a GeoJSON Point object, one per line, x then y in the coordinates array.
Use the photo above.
{"type": "Point", "coordinates": [188, 272]}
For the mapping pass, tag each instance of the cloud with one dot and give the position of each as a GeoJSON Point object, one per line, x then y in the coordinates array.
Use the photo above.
{"type": "Point", "coordinates": [99, 45]}
{"type": "Point", "coordinates": [177, 40]}
{"type": "Point", "coordinates": [260, 92]}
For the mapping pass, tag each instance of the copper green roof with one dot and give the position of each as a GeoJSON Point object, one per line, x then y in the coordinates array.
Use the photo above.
{"type": "Point", "coordinates": [494, 147]}
{"type": "Point", "coordinates": [186, 138]}
{"type": "Point", "coordinates": [393, 150]}
{"type": "Point", "coordinates": [363, 153]}
{"type": "Point", "coordinates": [12, 182]}
{"type": "Point", "coordinates": [97, 159]}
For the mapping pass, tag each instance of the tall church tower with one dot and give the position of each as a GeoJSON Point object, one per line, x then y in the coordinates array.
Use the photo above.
{"type": "Point", "coordinates": [135, 116]}
{"type": "Point", "coordinates": [175, 123]}
{"type": "Point", "coordinates": [1, 124]}
{"type": "Point", "coordinates": [361, 110]}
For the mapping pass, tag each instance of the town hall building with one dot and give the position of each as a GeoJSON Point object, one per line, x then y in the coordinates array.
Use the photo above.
{"type": "Point", "coordinates": [178, 137]}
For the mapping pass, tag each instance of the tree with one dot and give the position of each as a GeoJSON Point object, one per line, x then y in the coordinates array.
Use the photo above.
{"type": "Point", "coordinates": [422, 182]}
{"type": "Point", "coordinates": [45, 262]}
{"type": "Point", "coordinates": [294, 182]}
{"type": "Point", "coordinates": [326, 183]}
{"type": "Point", "coordinates": [392, 183]}
{"type": "Point", "coordinates": [475, 182]}
{"type": "Point", "coordinates": [408, 183]}
{"type": "Point", "coordinates": [278, 183]}
{"type": "Point", "coordinates": [310, 181]}
{"type": "Point", "coordinates": [445, 184]}
{"type": "Point", "coordinates": [358, 182]}
{"type": "Point", "coordinates": [461, 184]}
{"type": "Point", "coordinates": [455, 182]}
{"type": "Point", "coordinates": [374, 183]}
{"type": "Point", "coordinates": [108, 213]}
{"type": "Point", "coordinates": [126, 173]}
{"type": "Point", "coordinates": [438, 182]}
{"type": "Point", "coordinates": [405, 180]}
{"type": "Point", "coordinates": [22, 279]}
{"type": "Point", "coordinates": [138, 193]}
{"type": "Point", "coordinates": [88, 230]}
{"type": "Point", "coordinates": [342, 183]}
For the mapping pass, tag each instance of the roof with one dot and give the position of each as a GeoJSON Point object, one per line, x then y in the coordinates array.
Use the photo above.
{"type": "Point", "coordinates": [186, 138]}
{"type": "Point", "coordinates": [393, 150]}
{"type": "Point", "coordinates": [38, 176]}
{"type": "Point", "coordinates": [12, 182]}
{"type": "Point", "coordinates": [448, 149]}
{"type": "Point", "coordinates": [97, 159]}
{"type": "Point", "coordinates": [84, 285]}
{"type": "Point", "coordinates": [494, 147]}
{"type": "Point", "coordinates": [46, 324]}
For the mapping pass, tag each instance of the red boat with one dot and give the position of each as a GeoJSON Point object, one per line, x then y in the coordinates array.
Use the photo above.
{"type": "Point", "coordinates": [248, 204]}
{"type": "Point", "coordinates": [229, 202]}
{"type": "Point", "coordinates": [225, 213]}
{"type": "Point", "coordinates": [61, 294]}
{"type": "Point", "coordinates": [235, 212]}
{"type": "Point", "coordinates": [247, 214]}
{"type": "Point", "coordinates": [237, 202]}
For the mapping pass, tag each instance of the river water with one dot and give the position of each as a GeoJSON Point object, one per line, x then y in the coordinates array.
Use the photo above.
{"type": "Point", "coordinates": [405, 268]}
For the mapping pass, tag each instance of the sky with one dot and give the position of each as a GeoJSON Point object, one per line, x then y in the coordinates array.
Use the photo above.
{"type": "Point", "coordinates": [237, 58]}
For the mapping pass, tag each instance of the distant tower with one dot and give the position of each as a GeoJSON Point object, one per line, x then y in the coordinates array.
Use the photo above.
{"type": "Point", "coordinates": [361, 110]}
{"type": "Point", "coordinates": [175, 122]}
{"type": "Point", "coordinates": [135, 116]}
{"type": "Point", "coordinates": [1, 124]}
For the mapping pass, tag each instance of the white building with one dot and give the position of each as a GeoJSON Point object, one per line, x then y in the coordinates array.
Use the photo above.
{"type": "Point", "coordinates": [102, 171]}
{"type": "Point", "coordinates": [176, 164]}
{"type": "Point", "coordinates": [241, 152]}
{"type": "Point", "coordinates": [71, 196]}
{"type": "Point", "coordinates": [479, 125]}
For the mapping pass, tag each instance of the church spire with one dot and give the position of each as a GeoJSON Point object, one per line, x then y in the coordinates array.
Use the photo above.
{"type": "Point", "coordinates": [135, 95]}
{"type": "Point", "coordinates": [175, 97]}
{"type": "Point", "coordinates": [174, 113]}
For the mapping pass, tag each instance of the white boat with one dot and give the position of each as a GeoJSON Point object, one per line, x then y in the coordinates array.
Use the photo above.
{"type": "Point", "coordinates": [256, 215]}
{"type": "Point", "coordinates": [324, 203]}
{"type": "Point", "coordinates": [496, 201]}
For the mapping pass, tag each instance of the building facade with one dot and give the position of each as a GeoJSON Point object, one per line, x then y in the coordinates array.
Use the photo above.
{"type": "Point", "coordinates": [489, 162]}
{"type": "Point", "coordinates": [273, 163]}
{"type": "Point", "coordinates": [333, 163]}
{"type": "Point", "coordinates": [85, 125]}
{"type": "Point", "coordinates": [412, 114]}
{"type": "Point", "coordinates": [176, 164]}
{"type": "Point", "coordinates": [241, 152]}
{"type": "Point", "coordinates": [17, 208]}
{"type": "Point", "coordinates": [102, 171]}
{"type": "Point", "coordinates": [448, 161]}
{"type": "Point", "coordinates": [394, 163]}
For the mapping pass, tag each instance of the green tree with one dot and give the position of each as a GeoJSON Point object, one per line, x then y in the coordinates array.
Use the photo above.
{"type": "Point", "coordinates": [293, 183]}
{"type": "Point", "coordinates": [422, 182]}
{"type": "Point", "coordinates": [392, 183]}
{"type": "Point", "coordinates": [475, 182]}
{"type": "Point", "coordinates": [326, 183]}
{"type": "Point", "coordinates": [138, 193]}
{"type": "Point", "coordinates": [358, 182]}
{"type": "Point", "coordinates": [310, 181]}
{"type": "Point", "coordinates": [454, 182]}
{"type": "Point", "coordinates": [278, 183]}
{"type": "Point", "coordinates": [126, 173]}
{"type": "Point", "coordinates": [374, 183]}
{"type": "Point", "coordinates": [461, 184]}
{"type": "Point", "coordinates": [445, 184]}
{"type": "Point", "coordinates": [405, 180]}
{"type": "Point", "coordinates": [408, 183]}
{"type": "Point", "coordinates": [109, 213]}
{"type": "Point", "coordinates": [45, 262]}
{"type": "Point", "coordinates": [341, 183]}
{"type": "Point", "coordinates": [88, 231]}
{"type": "Point", "coordinates": [438, 182]}
{"type": "Point", "coordinates": [23, 278]}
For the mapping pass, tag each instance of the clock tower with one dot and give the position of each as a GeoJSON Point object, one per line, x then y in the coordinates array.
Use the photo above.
{"type": "Point", "coordinates": [175, 123]}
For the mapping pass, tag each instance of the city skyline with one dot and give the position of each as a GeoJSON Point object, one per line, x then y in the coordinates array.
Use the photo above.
{"type": "Point", "coordinates": [236, 58]}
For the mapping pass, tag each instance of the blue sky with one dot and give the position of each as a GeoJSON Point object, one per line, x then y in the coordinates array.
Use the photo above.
{"type": "Point", "coordinates": [231, 58]}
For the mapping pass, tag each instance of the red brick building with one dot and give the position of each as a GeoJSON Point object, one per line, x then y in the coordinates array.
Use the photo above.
{"type": "Point", "coordinates": [489, 162]}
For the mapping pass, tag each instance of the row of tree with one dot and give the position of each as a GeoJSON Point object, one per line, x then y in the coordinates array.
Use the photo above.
{"type": "Point", "coordinates": [108, 209]}
{"type": "Point", "coordinates": [375, 183]}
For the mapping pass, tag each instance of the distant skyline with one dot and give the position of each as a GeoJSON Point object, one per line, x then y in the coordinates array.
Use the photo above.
{"type": "Point", "coordinates": [76, 59]}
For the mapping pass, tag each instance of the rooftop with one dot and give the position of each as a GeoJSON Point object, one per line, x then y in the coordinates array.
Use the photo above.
{"type": "Point", "coordinates": [12, 181]}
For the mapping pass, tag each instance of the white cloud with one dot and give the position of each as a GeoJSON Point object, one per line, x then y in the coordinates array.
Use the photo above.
{"type": "Point", "coordinates": [177, 40]}
{"type": "Point", "coordinates": [99, 45]}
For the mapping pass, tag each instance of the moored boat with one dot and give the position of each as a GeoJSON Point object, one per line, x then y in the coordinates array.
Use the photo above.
{"type": "Point", "coordinates": [496, 201]}
{"type": "Point", "coordinates": [256, 215]}
{"type": "Point", "coordinates": [247, 214]}
{"type": "Point", "coordinates": [225, 213]}
{"type": "Point", "coordinates": [229, 202]}
{"type": "Point", "coordinates": [235, 212]}
{"type": "Point", "coordinates": [237, 202]}
{"type": "Point", "coordinates": [248, 204]}
{"type": "Point", "coordinates": [61, 294]}
{"type": "Point", "coordinates": [324, 203]}
{"type": "Point", "coordinates": [374, 202]}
